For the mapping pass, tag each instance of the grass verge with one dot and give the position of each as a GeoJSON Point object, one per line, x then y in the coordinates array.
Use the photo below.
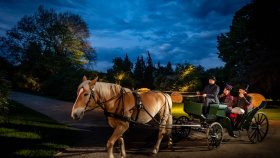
{"type": "Point", "coordinates": [27, 133]}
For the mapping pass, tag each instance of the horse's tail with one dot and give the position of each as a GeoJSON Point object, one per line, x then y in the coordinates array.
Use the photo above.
{"type": "Point", "coordinates": [169, 120]}
{"type": "Point", "coordinates": [168, 102]}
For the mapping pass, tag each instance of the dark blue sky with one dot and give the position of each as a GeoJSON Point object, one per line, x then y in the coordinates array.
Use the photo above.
{"type": "Point", "coordinates": [175, 31]}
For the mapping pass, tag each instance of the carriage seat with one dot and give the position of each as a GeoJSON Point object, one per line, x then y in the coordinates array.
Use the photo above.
{"type": "Point", "coordinates": [247, 110]}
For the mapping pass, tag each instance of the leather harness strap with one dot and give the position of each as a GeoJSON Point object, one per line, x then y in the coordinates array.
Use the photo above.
{"type": "Point", "coordinates": [139, 106]}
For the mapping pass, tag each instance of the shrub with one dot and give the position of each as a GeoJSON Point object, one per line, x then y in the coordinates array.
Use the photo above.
{"type": "Point", "coordinates": [4, 104]}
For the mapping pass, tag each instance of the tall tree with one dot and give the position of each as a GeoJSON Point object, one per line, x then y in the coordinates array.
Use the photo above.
{"type": "Point", "coordinates": [149, 72]}
{"type": "Point", "coordinates": [168, 70]}
{"type": "Point", "coordinates": [127, 65]}
{"type": "Point", "coordinates": [139, 70]}
{"type": "Point", "coordinates": [250, 42]}
{"type": "Point", "coordinates": [56, 39]}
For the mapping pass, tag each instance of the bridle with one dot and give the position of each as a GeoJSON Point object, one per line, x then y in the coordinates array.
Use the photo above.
{"type": "Point", "coordinates": [92, 95]}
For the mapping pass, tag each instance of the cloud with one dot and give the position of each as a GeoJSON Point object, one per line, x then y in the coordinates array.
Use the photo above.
{"type": "Point", "coordinates": [172, 30]}
{"type": "Point", "coordinates": [102, 66]}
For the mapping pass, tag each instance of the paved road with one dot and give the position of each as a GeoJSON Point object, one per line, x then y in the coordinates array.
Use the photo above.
{"type": "Point", "coordinates": [94, 133]}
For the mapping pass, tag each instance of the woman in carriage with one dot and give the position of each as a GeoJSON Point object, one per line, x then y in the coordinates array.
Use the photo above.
{"type": "Point", "coordinates": [227, 99]}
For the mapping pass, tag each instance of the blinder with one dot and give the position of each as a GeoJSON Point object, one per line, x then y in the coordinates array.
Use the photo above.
{"type": "Point", "coordinates": [92, 95]}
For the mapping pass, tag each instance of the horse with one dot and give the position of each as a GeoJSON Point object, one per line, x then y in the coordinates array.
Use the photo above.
{"type": "Point", "coordinates": [120, 105]}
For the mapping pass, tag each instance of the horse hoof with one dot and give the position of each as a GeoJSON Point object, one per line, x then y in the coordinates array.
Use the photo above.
{"type": "Point", "coordinates": [154, 152]}
{"type": "Point", "coordinates": [123, 156]}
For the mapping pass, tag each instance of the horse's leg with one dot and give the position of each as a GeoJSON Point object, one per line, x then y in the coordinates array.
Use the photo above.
{"type": "Point", "coordinates": [118, 132]}
{"type": "Point", "coordinates": [122, 148]}
{"type": "Point", "coordinates": [169, 131]}
{"type": "Point", "coordinates": [161, 133]}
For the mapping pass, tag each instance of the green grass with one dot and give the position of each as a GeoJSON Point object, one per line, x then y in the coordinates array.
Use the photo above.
{"type": "Point", "coordinates": [272, 113]}
{"type": "Point", "coordinates": [27, 133]}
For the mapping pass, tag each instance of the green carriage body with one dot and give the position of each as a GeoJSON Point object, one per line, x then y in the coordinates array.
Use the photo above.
{"type": "Point", "coordinates": [216, 112]}
{"type": "Point", "coordinates": [256, 123]}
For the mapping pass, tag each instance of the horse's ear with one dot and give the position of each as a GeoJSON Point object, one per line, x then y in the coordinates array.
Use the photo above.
{"type": "Point", "coordinates": [84, 78]}
{"type": "Point", "coordinates": [92, 83]}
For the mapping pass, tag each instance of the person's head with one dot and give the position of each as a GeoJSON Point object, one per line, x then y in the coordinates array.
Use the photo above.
{"type": "Point", "coordinates": [212, 80]}
{"type": "Point", "coordinates": [243, 89]}
{"type": "Point", "coordinates": [227, 89]}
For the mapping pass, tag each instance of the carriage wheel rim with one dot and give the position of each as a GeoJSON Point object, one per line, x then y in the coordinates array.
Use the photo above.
{"type": "Point", "coordinates": [258, 128]}
{"type": "Point", "coordinates": [214, 135]}
{"type": "Point", "coordinates": [182, 132]}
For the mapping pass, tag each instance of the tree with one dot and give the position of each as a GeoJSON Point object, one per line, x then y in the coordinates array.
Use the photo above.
{"type": "Point", "coordinates": [168, 70]}
{"type": "Point", "coordinates": [149, 73]}
{"type": "Point", "coordinates": [127, 65]}
{"type": "Point", "coordinates": [139, 71]}
{"type": "Point", "coordinates": [49, 39]}
{"type": "Point", "coordinates": [250, 42]}
{"type": "Point", "coordinates": [188, 77]}
{"type": "Point", "coordinates": [121, 72]}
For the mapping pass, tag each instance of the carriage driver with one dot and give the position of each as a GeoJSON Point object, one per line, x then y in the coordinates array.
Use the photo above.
{"type": "Point", "coordinates": [210, 94]}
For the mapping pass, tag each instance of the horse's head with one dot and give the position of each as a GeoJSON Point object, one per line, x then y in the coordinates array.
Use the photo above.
{"type": "Point", "coordinates": [86, 98]}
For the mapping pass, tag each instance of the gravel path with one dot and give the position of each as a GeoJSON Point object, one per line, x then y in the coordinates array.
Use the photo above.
{"type": "Point", "coordinates": [139, 141]}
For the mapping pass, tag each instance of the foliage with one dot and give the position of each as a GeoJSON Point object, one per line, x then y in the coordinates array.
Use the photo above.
{"type": "Point", "coordinates": [4, 91]}
{"type": "Point", "coordinates": [166, 83]}
{"type": "Point", "coordinates": [250, 49]}
{"type": "Point", "coordinates": [28, 133]}
{"type": "Point", "coordinates": [44, 43]}
{"type": "Point", "coordinates": [139, 72]}
{"type": "Point", "coordinates": [63, 85]}
{"type": "Point", "coordinates": [121, 72]}
{"type": "Point", "coordinates": [189, 77]}
{"type": "Point", "coordinates": [149, 73]}
{"type": "Point", "coordinates": [5, 87]}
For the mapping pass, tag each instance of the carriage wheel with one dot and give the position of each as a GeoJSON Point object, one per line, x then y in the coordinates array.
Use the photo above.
{"type": "Point", "coordinates": [214, 135]}
{"type": "Point", "coordinates": [181, 131]}
{"type": "Point", "coordinates": [258, 128]}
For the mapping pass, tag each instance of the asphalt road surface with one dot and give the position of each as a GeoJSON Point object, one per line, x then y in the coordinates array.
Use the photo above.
{"type": "Point", "coordinates": [139, 140]}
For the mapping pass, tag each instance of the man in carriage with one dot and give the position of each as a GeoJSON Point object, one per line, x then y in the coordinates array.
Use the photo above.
{"type": "Point", "coordinates": [243, 100]}
{"type": "Point", "coordinates": [238, 107]}
{"type": "Point", "coordinates": [210, 94]}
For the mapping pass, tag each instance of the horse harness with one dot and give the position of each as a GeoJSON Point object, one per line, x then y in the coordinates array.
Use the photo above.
{"type": "Point", "coordinates": [139, 106]}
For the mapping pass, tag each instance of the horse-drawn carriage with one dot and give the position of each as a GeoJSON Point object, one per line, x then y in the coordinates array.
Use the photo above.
{"type": "Point", "coordinates": [255, 123]}
{"type": "Point", "coordinates": [123, 107]}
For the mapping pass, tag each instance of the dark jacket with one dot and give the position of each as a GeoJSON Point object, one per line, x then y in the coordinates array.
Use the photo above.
{"type": "Point", "coordinates": [243, 102]}
{"type": "Point", "coordinates": [212, 92]}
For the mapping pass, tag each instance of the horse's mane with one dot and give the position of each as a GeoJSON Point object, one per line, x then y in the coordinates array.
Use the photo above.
{"type": "Point", "coordinates": [106, 90]}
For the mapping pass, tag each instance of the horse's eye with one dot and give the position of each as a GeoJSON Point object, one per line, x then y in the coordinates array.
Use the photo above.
{"type": "Point", "coordinates": [86, 94]}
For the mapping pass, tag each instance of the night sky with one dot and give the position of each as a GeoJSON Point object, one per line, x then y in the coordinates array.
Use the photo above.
{"type": "Point", "coordinates": [175, 31]}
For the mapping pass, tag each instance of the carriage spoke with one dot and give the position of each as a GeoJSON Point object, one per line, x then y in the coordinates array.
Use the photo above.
{"type": "Point", "coordinates": [251, 131]}
{"type": "Point", "coordinates": [262, 131]}
{"type": "Point", "coordinates": [264, 124]}
{"type": "Point", "coordinates": [262, 121]}
{"type": "Point", "coordinates": [260, 134]}
{"type": "Point", "coordinates": [253, 134]}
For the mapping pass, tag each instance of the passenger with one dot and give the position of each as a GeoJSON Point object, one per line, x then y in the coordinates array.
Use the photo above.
{"type": "Point", "coordinates": [227, 99]}
{"type": "Point", "coordinates": [210, 94]}
{"type": "Point", "coordinates": [242, 101]}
